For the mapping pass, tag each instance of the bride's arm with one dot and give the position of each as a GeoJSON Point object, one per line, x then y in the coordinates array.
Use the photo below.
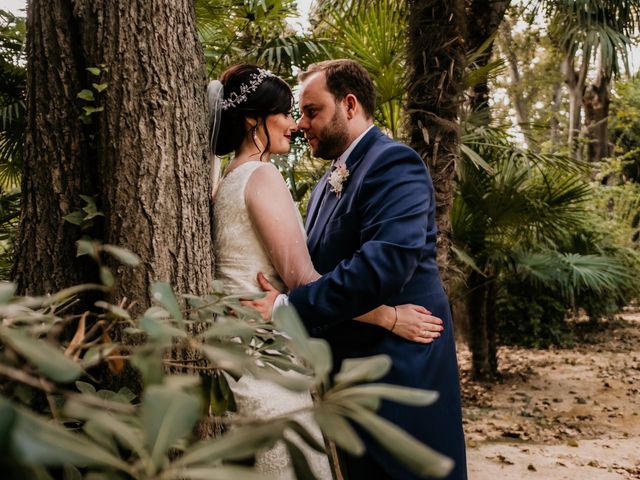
{"type": "Point", "coordinates": [276, 221]}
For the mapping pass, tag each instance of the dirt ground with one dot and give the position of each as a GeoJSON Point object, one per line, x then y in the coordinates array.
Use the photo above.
{"type": "Point", "coordinates": [571, 413]}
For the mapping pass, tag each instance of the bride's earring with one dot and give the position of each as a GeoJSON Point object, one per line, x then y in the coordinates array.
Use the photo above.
{"type": "Point", "coordinates": [256, 140]}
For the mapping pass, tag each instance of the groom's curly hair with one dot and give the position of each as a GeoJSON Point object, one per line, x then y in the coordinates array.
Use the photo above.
{"type": "Point", "coordinates": [343, 77]}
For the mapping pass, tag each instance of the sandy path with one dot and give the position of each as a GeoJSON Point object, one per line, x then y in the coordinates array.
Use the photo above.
{"type": "Point", "coordinates": [562, 413]}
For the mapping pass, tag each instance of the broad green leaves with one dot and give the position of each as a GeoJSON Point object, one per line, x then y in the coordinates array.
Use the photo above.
{"type": "Point", "coordinates": [121, 434]}
{"type": "Point", "coordinates": [45, 357]}
{"type": "Point", "coordinates": [167, 416]}
{"type": "Point", "coordinates": [413, 454]}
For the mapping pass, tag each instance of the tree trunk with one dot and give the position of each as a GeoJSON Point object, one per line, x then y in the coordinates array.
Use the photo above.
{"type": "Point", "coordinates": [58, 163]}
{"type": "Point", "coordinates": [596, 102]}
{"type": "Point", "coordinates": [487, 16]}
{"type": "Point", "coordinates": [505, 42]}
{"type": "Point", "coordinates": [482, 365]}
{"type": "Point", "coordinates": [436, 59]}
{"type": "Point", "coordinates": [554, 123]}
{"type": "Point", "coordinates": [576, 81]}
{"type": "Point", "coordinates": [143, 156]}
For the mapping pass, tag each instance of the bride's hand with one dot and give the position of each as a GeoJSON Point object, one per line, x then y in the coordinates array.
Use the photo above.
{"type": "Point", "coordinates": [416, 323]}
{"type": "Point", "coordinates": [263, 305]}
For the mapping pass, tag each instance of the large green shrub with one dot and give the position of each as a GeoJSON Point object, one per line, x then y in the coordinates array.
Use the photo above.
{"type": "Point", "coordinates": [92, 433]}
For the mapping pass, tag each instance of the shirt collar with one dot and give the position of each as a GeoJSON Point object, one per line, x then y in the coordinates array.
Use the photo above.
{"type": "Point", "coordinates": [342, 159]}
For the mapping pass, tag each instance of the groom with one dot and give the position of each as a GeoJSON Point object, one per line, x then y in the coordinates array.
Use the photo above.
{"type": "Point", "coordinates": [372, 235]}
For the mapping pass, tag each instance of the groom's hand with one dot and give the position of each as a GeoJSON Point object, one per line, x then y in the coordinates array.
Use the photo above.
{"type": "Point", "coordinates": [264, 305]}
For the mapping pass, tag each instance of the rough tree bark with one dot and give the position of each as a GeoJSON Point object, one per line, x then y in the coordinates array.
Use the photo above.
{"type": "Point", "coordinates": [554, 123]}
{"type": "Point", "coordinates": [436, 60]}
{"type": "Point", "coordinates": [487, 16]}
{"type": "Point", "coordinates": [575, 81]}
{"type": "Point", "coordinates": [57, 158]}
{"type": "Point", "coordinates": [143, 157]}
{"type": "Point", "coordinates": [596, 100]}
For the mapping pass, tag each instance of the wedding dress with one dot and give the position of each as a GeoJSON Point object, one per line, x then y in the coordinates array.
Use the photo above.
{"type": "Point", "coordinates": [258, 229]}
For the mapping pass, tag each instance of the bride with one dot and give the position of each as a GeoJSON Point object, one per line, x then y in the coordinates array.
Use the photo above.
{"type": "Point", "coordinates": [257, 228]}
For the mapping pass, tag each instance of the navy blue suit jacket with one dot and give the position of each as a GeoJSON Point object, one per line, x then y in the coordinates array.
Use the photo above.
{"type": "Point", "coordinates": [377, 245]}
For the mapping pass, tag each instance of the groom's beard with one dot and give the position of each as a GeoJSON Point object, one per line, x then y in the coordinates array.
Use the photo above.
{"type": "Point", "coordinates": [332, 139]}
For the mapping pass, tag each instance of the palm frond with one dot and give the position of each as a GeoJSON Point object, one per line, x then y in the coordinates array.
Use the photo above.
{"type": "Point", "coordinates": [571, 273]}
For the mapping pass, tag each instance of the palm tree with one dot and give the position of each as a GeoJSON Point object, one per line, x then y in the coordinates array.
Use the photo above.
{"type": "Point", "coordinates": [436, 63]}
{"type": "Point", "coordinates": [512, 216]}
{"type": "Point", "coordinates": [234, 31]}
{"type": "Point", "coordinates": [12, 128]}
{"type": "Point", "coordinates": [375, 35]}
{"type": "Point", "coordinates": [597, 29]}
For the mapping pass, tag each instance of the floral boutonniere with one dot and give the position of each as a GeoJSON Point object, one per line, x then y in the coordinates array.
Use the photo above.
{"type": "Point", "coordinates": [337, 179]}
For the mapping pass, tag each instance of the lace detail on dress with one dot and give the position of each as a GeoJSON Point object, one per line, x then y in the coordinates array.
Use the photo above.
{"type": "Point", "coordinates": [239, 257]}
{"type": "Point", "coordinates": [239, 253]}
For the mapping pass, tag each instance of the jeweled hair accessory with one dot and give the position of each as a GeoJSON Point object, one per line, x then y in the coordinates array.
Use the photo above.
{"type": "Point", "coordinates": [255, 80]}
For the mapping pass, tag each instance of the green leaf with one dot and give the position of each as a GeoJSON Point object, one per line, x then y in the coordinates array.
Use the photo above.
{"type": "Point", "coordinates": [87, 247]}
{"type": "Point", "coordinates": [99, 436]}
{"type": "Point", "coordinates": [363, 369]}
{"type": "Point", "coordinates": [75, 218]}
{"type": "Point", "coordinates": [308, 438]}
{"type": "Point", "coordinates": [7, 291]}
{"type": "Point", "coordinates": [316, 351]}
{"type": "Point", "coordinates": [167, 416]}
{"type": "Point", "coordinates": [159, 330]}
{"type": "Point", "coordinates": [299, 461]}
{"type": "Point", "coordinates": [8, 418]}
{"type": "Point", "coordinates": [94, 71]}
{"type": "Point", "coordinates": [66, 293]}
{"type": "Point", "coordinates": [86, 95]}
{"type": "Point", "coordinates": [340, 431]}
{"type": "Point", "coordinates": [114, 309]}
{"type": "Point", "coordinates": [86, 388]}
{"type": "Point", "coordinates": [229, 328]}
{"type": "Point", "coordinates": [149, 364]}
{"type": "Point", "coordinates": [41, 442]}
{"type": "Point", "coordinates": [123, 255]}
{"type": "Point", "coordinates": [290, 380]}
{"type": "Point", "coordinates": [216, 473]}
{"type": "Point", "coordinates": [467, 259]}
{"type": "Point", "coordinates": [96, 355]}
{"type": "Point", "coordinates": [221, 398]}
{"type": "Point", "coordinates": [319, 355]}
{"type": "Point", "coordinates": [240, 443]}
{"type": "Point", "coordinates": [49, 360]}
{"type": "Point", "coordinates": [106, 277]}
{"type": "Point", "coordinates": [163, 294]}
{"type": "Point", "coordinates": [127, 435]}
{"type": "Point", "coordinates": [99, 87]}
{"type": "Point", "coordinates": [285, 318]}
{"type": "Point", "coordinates": [226, 357]}
{"type": "Point", "coordinates": [405, 395]}
{"type": "Point", "coordinates": [71, 473]}
{"type": "Point", "coordinates": [92, 110]}
{"type": "Point", "coordinates": [413, 454]}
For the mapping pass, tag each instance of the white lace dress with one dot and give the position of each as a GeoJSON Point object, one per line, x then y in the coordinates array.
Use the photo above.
{"type": "Point", "coordinates": [254, 214]}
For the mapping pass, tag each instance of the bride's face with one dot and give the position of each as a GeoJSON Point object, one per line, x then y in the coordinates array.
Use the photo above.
{"type": "Point", "coordinates": [279, 127]}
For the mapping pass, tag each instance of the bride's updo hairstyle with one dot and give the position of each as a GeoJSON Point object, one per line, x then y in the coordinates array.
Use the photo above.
{"type": "Point", "coordinates": [271, 97]}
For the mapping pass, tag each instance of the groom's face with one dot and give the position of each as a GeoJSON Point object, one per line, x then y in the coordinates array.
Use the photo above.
{"type": "Point", "coordinates": [323, 119]}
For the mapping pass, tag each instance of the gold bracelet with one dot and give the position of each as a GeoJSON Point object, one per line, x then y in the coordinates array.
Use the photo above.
{"type": "Point", "coordinates": [396, 320]}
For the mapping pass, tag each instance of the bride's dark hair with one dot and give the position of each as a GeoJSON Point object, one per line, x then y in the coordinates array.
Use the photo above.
{"type": "Point", "coordinates": [273, 96]}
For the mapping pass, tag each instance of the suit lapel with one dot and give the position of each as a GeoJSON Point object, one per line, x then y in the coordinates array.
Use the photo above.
{"type": "Point", "coordinates": [315, 200]}
{"type": "Point", "coordinates": [325, 210]}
